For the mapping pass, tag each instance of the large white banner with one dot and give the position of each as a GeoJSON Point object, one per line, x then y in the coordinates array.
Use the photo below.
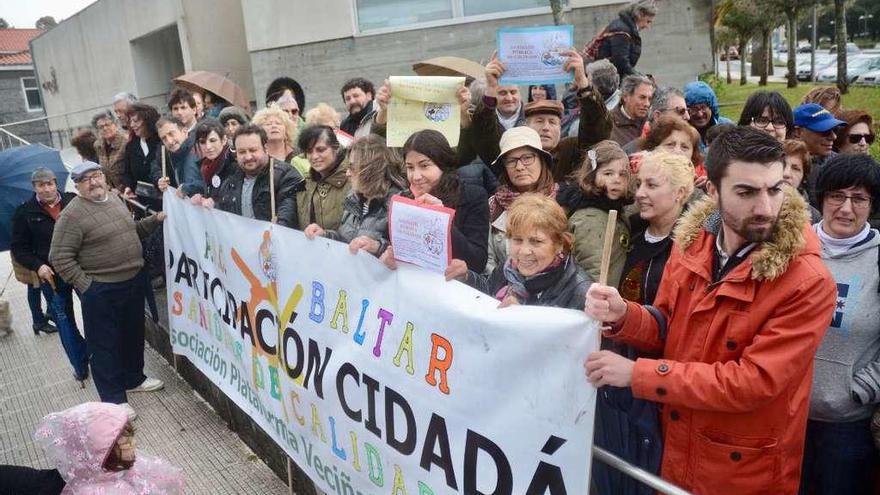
{"type": "Point", "coordinates": [377, 381]}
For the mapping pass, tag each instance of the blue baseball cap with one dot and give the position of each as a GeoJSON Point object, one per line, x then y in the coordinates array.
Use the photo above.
{"type": "Point", "coordinates": [815, 117]}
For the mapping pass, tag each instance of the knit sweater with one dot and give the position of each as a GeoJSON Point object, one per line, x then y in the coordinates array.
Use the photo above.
{"type": "Point", "coordinates": [98, 241]}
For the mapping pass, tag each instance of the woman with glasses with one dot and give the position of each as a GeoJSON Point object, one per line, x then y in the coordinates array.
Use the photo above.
{"type": "Point", "coordinates": [839, 453]}
{"type": "Point", "coordinates": [526, 168]}
{"type": "Point", "coordinates": [858, 135]}
{"type": "Point", "coordinates": [769, 112]}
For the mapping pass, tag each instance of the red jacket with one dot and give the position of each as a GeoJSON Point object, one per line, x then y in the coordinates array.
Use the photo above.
{"type": "Point", "coordinates": [737, 362]}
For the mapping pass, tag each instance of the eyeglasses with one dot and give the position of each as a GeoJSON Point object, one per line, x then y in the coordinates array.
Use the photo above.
{"type": "Point", "coordinates": [857, 138]}
{"type": "Point", "coordinates": [762, 121]}
{"type": "Point", "coordinates": [838, 198]}
{"type": "Point", "coordinates": [526, 160]}
{"type": "Point", "coordinates": [103, 126]}
{"type": "Point", "coordinates": [702, 108]}
{"type": "Point", "coordinates": [92, 177]}
{"type": "Point", "coordinates": [680, 111]}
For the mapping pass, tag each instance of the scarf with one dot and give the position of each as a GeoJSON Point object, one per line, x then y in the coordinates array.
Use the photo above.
{"type": "Point", "coordinates": [504, 197]}
{"type": "Point", "coordinates": [508, 122]}
{"type": "Point", "coordinates": [837, 246]}
{"type": "Point", "coordinates": [209, 167]}
{"type": "Point", "coordinates": [523, 287]}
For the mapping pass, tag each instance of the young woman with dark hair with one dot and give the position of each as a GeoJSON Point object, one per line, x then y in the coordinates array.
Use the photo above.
{"type": "Point", "coordinates": [430, 165]}
{"type": "Point", "coordinates": [770, 112]}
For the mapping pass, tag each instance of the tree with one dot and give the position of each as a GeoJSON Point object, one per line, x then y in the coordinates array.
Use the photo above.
{"type": "Point", "coordinates": [726, 38]}
{"type": "Point", "coordinates": [791, 9]}
{"type": "Point", "coordinates": [741, 17]}
{"type": "Point", "coordinates": [556, 8]}
{"type": "Point", "coordinates": [840, 40]}
{"type": "Point", "coordinates": [46, 22]}
{"type": "Point", "coordinates": [3, 23]}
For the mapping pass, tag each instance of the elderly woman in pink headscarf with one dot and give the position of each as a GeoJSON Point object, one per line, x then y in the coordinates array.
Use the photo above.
{"type": "Point", "coordinates": [92, 446]}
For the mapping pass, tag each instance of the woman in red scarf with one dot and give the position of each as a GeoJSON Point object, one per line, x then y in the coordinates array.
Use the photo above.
{"type": "Point", "coordinates": [213, 147]}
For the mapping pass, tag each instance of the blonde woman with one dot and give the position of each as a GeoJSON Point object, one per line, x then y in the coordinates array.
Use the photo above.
{"type": "Point", "coordinates": [282, 132]}
{"type": "Point", "coordinates": [625, 426]}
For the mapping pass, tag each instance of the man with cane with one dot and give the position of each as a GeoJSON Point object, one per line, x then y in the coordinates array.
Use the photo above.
{"type": "Point", "coordinates": [32, 229]}
{"type": "Point", "coordinates": [96, 248]}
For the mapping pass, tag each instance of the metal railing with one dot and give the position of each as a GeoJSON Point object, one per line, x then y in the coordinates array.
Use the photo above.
{"type": "Point", "coordinates": [636, 473]}
{"type": "Point", "coordinates": [10, 140]}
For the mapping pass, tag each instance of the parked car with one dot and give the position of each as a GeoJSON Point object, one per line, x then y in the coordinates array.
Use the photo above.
{"type": "Point", "coordinates": [850, 49]}
{"type": "Point", "coordinates": [855, 67]}
{"type": "Point", "coordinates": [822, 61]}
{"type": "Point", "coordinates": [732, 53]}
{"type": "Point", "coordinates": [871, 78]}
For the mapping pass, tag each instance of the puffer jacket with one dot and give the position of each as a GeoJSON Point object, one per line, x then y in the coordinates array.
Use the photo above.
{"type": "Point", "coordinates": [623, 50]}
{"type": "Point", "coordinates": [360, 218]}
{"type": "Point", "coordinates": [287, 183]}
{"type": "Point", "coordinates": [736, 361]}
{"type": "Point", "coordinates": [562, 287]}
{"type": "Point", "coordinates": [321, 199]}
{"type": "Point", "coordinates": [588, 223]}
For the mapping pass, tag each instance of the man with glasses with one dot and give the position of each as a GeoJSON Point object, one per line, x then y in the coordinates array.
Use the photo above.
{"type": "Point", "coordinates": [702, 106]}
{"type": "Point", "coordinates": [666, 100]}
{"type": "Point", "coordinates": [815, 126]}
{"type": "Point", "coordinates": [96, 248]}
{"type": "Point", "coordinates": [110, 148]}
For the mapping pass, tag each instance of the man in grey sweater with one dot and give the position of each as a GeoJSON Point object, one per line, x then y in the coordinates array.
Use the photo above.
{"type": "Point", "coordinates": [96, 248]}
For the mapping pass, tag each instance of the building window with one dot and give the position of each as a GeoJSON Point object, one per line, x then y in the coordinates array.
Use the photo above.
{"type": "Point", "coordinates": [31, 94]}
{"type": "Point", "coordinates": [376, 15]}
{"type": "Point", "coordinates": [478, 7]}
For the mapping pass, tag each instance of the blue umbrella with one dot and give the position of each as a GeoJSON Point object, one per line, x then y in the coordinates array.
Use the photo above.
{"type": "Point", "coordinates": [16, 166]}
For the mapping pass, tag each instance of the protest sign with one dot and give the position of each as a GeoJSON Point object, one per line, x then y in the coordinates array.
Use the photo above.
{"type": "Point", "coordinates": [420, 233]}
{"type": "Point", "coordinates": [377, 381]}
{"type": "Point", "coordinates": [533, 55]}
{"type": "Point", "coordinates": [423, 102]}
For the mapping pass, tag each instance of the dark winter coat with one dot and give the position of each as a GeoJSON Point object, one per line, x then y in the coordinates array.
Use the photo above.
{"type": "Point", "coordinates": [227, 168]}
{"type": "Point", "coordinates": [32, 229]}
{"type": "Point", "coordinates": [624, 49]}
{"type": "Point", "coordinates": [470, 229]}
{"type": "Point", "coordinates": [627, 427]}
{"type": "Point", "coordinates": [563, 287]}
{"type": "Point", "coordinates": [360, 219]}
{"type": "Point", "coordinates": [287, 183]}
{"type": "Point", "coordinates": [137, 165]}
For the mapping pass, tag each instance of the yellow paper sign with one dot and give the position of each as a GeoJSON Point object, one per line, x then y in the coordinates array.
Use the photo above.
{"type": "Point", "coordinates": [423, 102]}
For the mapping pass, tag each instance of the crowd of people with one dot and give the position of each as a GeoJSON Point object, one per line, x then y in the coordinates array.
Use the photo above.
{"type": "Point", "coordinates": [741, 345]}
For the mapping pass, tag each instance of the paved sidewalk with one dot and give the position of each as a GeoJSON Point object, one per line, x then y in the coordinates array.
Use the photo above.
{"type": "Point", "coordinates": [175, 424]}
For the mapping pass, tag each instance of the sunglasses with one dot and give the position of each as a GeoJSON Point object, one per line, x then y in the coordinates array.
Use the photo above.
{"type": "Point", "coordinates": [857, 138]}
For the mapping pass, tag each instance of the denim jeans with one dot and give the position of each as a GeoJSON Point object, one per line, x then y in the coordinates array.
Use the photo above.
{"type": "Point", "coordinates": [839, 458]}
{"type": "Point", "coordinates": [35, 305]}
{"type": "Point", "coordinates": [61, 306]}
{"type": "Point", "coordinates": [113, 317]}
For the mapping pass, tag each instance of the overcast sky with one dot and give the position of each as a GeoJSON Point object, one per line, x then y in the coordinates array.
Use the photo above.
{"type": "Point", "coordinates": [24, 13]}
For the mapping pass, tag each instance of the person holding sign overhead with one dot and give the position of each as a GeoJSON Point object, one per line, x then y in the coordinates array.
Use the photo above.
{"type": "Point", "coordinates": [545, 117]}
{"type": "Point", "coordinates": [743, 306]}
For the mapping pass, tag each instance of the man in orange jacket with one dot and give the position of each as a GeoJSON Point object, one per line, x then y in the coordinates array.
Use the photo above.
{"type": "Point", "coordinates": [743, 305]}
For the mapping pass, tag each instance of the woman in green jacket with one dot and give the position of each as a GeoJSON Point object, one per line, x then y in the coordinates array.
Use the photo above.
{"type": "Point", "coordinates": [327, 182]}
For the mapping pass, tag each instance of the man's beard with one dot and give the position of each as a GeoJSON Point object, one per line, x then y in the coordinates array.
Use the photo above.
{"type": "Point", "coordinates": [744, 227]}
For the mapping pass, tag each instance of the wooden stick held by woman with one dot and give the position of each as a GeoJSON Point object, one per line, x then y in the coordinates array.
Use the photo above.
{"type": "Point", "coordinates": [607, 246]}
